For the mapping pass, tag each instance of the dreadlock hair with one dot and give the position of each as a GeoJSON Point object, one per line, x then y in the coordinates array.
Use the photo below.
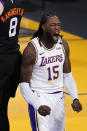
{"type": "Point", "coordinates": [44, 19]}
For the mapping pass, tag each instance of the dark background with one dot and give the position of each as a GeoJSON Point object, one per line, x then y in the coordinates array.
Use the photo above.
{"type": "Point", "coordinates": [72, 13]}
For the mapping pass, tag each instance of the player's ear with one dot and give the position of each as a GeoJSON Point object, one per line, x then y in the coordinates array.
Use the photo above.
{"type": "Point", "coordinates": [1, 8]}
{"type": "Point", "coordinates": [43, 27]}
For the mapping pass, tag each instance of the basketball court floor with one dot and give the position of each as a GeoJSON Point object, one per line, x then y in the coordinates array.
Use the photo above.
{"type": "Point", "coordinates": [18, 111]}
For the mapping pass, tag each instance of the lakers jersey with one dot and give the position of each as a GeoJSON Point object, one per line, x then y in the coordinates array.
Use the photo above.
{"type": "Point", "coordinates": [47, 75]}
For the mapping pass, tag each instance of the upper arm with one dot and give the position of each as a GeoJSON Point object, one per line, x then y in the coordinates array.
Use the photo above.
{"type": "Point", "coordinates": [28, 60]}
{"type": "Point", "coordinates": [67, 63]}
{"type": "Point", "coordinates": [1, 8]}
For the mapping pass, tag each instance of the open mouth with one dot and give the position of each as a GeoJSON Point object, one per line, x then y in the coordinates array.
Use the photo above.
{"type": "Point", "coordinates": [56, 34]}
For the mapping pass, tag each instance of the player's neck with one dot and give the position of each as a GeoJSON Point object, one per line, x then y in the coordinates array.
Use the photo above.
{"type": "Point", "coordinates": [48, 44]}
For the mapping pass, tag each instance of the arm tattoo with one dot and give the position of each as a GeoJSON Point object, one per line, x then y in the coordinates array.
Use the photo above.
{"type": "Point", "coordinates": [28, 60]}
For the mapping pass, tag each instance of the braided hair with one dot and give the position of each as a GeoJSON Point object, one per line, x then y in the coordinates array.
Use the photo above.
{"type": "Point", "coordinates": [44, 19]}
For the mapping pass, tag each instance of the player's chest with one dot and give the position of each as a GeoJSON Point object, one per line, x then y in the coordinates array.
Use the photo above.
{"type": "Point", "coordinates": [50, 57]}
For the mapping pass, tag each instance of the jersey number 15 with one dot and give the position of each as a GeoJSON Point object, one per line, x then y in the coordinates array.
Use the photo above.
{"type": "Point", "coordinates": [53, 73]}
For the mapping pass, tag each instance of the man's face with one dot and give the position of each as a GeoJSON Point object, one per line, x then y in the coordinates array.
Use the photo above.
{"type": "Point", "coordinates": [52, 28]}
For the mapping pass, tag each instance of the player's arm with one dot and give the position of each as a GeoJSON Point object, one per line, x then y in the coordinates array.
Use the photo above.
{"type": "Point", "coordinates": [28, 60]}
{"type": "Point", "coordinates": [1, 7]}
{"type": "Point", "coordinates": [69, 81]}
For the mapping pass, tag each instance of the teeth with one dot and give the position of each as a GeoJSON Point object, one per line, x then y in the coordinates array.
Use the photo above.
{"type": "Point", "coordinates": [56, 33]}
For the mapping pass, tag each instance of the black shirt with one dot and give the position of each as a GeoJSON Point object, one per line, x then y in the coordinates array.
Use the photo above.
{"type": "Point", "coordinates": [9, 27]}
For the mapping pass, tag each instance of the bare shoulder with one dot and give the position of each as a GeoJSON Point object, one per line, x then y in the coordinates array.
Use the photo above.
{"type": "Point", "coordinates": [66, 47]}
{"type": "Point", "coordinates": [29, 54]}
{"type": "Point", "coordinates": [67, 63]}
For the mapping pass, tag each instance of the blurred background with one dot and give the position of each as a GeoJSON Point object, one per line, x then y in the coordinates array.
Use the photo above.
{"type": "Point", "coordinates": [73, 15]}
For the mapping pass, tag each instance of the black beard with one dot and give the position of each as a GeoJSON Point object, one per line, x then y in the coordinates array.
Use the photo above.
{"type": "Point", "coordinates": [50, 39]}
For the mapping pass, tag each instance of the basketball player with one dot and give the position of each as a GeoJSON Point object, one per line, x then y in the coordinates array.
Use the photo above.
{"type": "Point", "coordinates": [10, 57]}
{"type": "Point", "coordinates": [45, 67]}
